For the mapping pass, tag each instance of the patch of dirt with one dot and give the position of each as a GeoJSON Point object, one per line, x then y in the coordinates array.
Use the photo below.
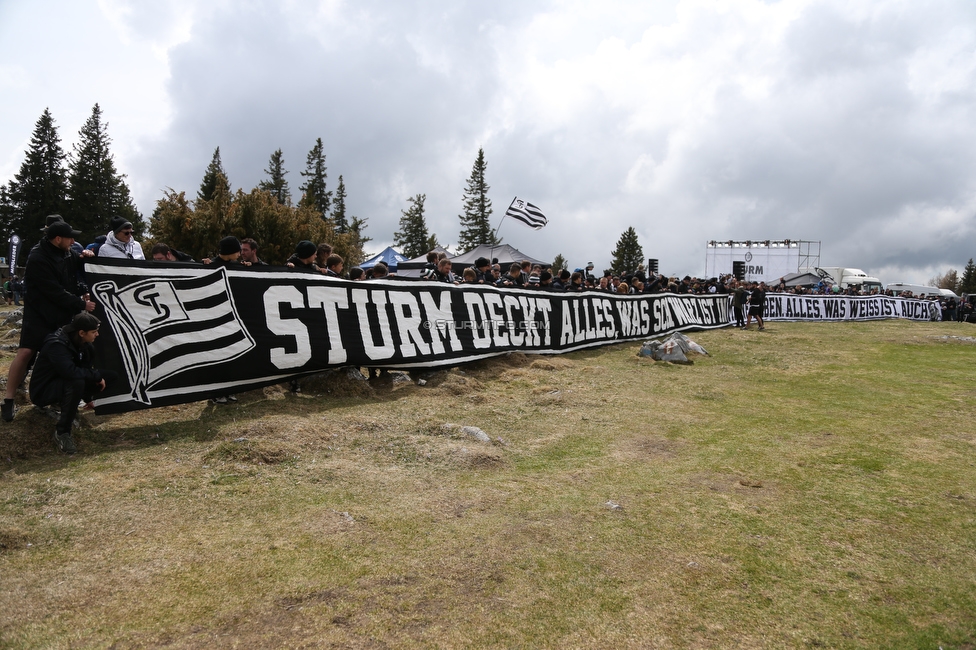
{"type": "Point", "coordinates": [715, 482]}
{"type": "Point", "coordinates": [12, 539]}
{"type": "Point", "coordinates": [648, 448]}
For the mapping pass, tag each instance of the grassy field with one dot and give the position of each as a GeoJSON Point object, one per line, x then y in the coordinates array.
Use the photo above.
{"type": "Point", "coordinates": [813, 485]}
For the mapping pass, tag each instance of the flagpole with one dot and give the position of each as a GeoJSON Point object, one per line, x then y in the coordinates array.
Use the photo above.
{"type": "Point", "coordinates": [494, 233]}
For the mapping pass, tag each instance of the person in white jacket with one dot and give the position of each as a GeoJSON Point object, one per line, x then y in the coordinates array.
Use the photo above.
{"type": "Point", "coordinates": [120, 243]}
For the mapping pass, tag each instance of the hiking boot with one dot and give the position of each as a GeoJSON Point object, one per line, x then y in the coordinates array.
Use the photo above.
{"type": "Point", "coordinates": [65, 442]}
{"type": "Point", "coordinates": [7, 410]}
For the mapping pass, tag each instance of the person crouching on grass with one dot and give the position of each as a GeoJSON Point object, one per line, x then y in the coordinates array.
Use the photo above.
{"type": "Point", "coordinates": [64, 375]}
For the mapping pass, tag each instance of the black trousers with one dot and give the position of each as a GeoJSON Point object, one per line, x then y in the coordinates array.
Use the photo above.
{"type": "Point", "coordinates": [65, 393]}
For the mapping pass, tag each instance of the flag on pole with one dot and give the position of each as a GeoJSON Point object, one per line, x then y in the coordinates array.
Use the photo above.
{"type": "Point", "coordinates": [527, 213]}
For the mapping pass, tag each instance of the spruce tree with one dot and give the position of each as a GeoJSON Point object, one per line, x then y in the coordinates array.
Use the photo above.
{"type": "Point", "coordinates": [475, 222]}
{"type": "Point", "coordinates": [968, 283]}
{"type": "Point", "coordinates": [339, 208]}
{"type": "Point", "coordinates": [628, 255]}
{"type": "Point", "coordinates": [412, 238]}
{"type": "Point", "coordinates": [276, 183]}
{"type": "Point", "coordinates": [96, 191]}
{"type": "Point", "coordinates": [559, 263]}
{"type": "Point", "coordinates": [7, 213]}
{"type": "Point", "coordinates": [40, 187]}
{"type": "Point", "coordinates": [209, 184]}
{"type": "Point", "coordinates": [314, 193]}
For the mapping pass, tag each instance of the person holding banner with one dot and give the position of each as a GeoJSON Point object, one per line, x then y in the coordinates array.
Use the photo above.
{"type": "Point", "coordinates": [53, 301]}
{"type": "Point", "coordinates": [64, 374]}
{"type": "Point", "coordinates": [120, 243]}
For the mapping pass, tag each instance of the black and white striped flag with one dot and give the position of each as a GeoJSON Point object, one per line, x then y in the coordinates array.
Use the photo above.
{"type": "Point", "coordinates": [527, 213]}
{"type": "Point", "coordinates": [166, 326]}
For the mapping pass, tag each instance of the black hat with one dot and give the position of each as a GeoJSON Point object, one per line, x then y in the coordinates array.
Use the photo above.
{"type": "Point", "coordinates": [83, 321]}
{"type": "Point", "coordinates": [51, 218]}
{"type": "Point", "coordinates": [305, 249]}
{"type": "Point", "coordinates": [118, 223]}
{"type": "Point", "coordinates": [481, 261]}
{"type": "Point", "coordinates": [230, 245]}
{"type": "Point", "coordinates": [61, 229]}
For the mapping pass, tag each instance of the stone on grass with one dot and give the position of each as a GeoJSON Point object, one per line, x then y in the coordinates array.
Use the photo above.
{"type": "Point", "coordinates": [471, 432]}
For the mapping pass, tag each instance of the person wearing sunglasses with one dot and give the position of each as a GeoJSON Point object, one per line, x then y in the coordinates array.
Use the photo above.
{"type": "Point", "coordinates": [120, 243]}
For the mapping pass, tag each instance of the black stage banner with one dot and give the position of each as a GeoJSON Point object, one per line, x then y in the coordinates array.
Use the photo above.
{"type": "Point", "coordinates": [178, 333]}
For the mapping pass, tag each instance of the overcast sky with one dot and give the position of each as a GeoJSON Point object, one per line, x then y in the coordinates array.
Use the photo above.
{"type": "Point", "coordinates": [847, 122]}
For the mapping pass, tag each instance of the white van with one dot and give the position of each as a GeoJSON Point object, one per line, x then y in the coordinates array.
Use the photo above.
{"type": "Point", "coordinates": [916, 289]}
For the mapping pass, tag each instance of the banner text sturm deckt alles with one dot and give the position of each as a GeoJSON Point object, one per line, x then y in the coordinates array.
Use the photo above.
{"type": "Point", "coordinates": [179, 333]}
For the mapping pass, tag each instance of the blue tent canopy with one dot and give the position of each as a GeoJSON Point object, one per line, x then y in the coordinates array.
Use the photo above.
{"type": "Point", "coordinates": [389, 256]}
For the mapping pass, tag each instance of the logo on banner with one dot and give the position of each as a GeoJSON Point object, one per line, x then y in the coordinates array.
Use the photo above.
{"type": "Point", "coordinates": [167, 326]}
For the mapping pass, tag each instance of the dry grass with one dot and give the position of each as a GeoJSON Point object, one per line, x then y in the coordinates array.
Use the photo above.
{"type": "Point", "coordinates": [808, 486]}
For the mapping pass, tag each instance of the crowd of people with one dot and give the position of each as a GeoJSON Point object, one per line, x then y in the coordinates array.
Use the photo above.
{"type": "Point", "coordinates": [59, 329]}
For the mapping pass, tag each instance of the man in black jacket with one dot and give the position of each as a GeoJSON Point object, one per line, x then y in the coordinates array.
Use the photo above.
{"type": "Point", "coordinates": [63, 374]}
{"type": "Point", "coordinates": [54, 299]}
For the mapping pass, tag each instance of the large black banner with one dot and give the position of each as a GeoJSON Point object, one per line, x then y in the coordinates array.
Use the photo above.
{"type": "Point", "coordinates": [178, 333]}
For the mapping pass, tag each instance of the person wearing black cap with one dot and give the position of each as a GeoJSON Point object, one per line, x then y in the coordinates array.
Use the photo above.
{"type": "Point", "coordinates": [54, 299]}
{"type": "Point", "coordinates": [64, 375]}
{"type": "Point", "coordinates": [482, 269]}
{"type": "Point", "coordinates": [228, 253]}
{"type": "Point", "coordinates": [120, 243]}
{"type": "Point", "coordinates": [304, 257]}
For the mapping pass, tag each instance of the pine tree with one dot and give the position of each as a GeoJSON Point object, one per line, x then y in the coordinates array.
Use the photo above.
{"type": "Point", "coordinates": [314, 193]}
{"type": "Point", "coordinates": [412, 238]}
{"type": "Point", "coordinates": [628, 255]}
{"type": "Point", "coordinates": [276, 183]}
{"type": "Point", "coordinates": [7, 213]}
{"type": "Point", "coordinates": [40, 187]}
{"type": "Point", "coordinates": [968, 283]}
{"type": "Point", "coordinates": [339, 208]}
{"type": "Point", "coordinates": [559, 263]}
{"type": "Point", "coordinates": [209, 184]}
{"type": "Point", "coordinates": [96, 191]}
{"type": "Point", "coordinates": [350, 243]}
{"type": "Point", "coordinates": [475, 222]}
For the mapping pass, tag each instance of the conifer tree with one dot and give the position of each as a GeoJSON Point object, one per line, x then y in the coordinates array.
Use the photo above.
{"type": "Point", "coordinates": [628, 255]}
{"type": "Point", "coordinates": [968, 283]}
{"type": "Point", "coordinates": [339, 208]}
{"type": "Point", "coordinates": [559, 263]}
{"type": "Point", "coordinates": [40, 187]}
{"type": "Point", "coordinates": [96, 191]}
{"type": "Point", "coordinates": [276, 183]}
{"type": "Point", "coordinates": [7, 213]}
{"type": "Point", "coordinates": [475, 222]}
{"type": "Point", "coordinates": [209, 184]}
{"type": "Point", "coordinates": [314, 190]}
{"type": "Point", "coordinates": [412, 238]}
